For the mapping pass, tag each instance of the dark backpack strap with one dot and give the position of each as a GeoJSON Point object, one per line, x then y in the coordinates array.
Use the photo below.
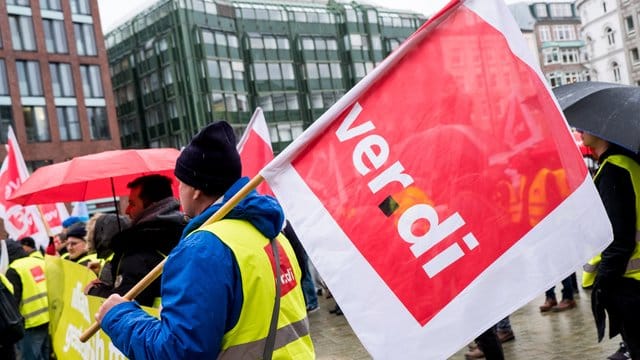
{"type": "Point", "coordinates": [271, 337]}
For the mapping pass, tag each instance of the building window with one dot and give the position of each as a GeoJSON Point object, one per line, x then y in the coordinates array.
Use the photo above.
{"type": "Point", "coordinates": [616, 71]}
{"type": "Point", "coordinates": [98, 125]}
{"type": "Point", "coordinates": [635, 55]}
{"type": "Point", "coordinates": [91, 81]}
{"type": "Point", "coordinates": [22, 34]}
{"type": "Point", "coordinates": [18, 2]}
{"type": "Point", "coordinates": [50, 5]}
{"type": "Point", "coordinates": [68, 123]}
{"type": "Point", "coordinates": [544, 32]}
{"type": "Point", "coordinates": [85, 40]}
{"type": "Point", "coordinates": [560, 10]}
{"type": "Point", "coordinates": [61, 80]}
{"type": "Point", "coordinates": [4, 84]}
{"type": "Point", "coordinates": [550, 55]}
{"type": "Point", "coordinates": [541, 10]}
{"type": "Point", "coordinates": [29, 79]}
{"type": "Point", "coordinates": [564, 32]}
{"type": "Point", "coordinates": [80, 7]}
{"type": "Point", "coordinates": [590, 44]}
{"type": "Point", "coordinates": [570, 56]}
{"type": "Point", "coordinates": [610, 36]}
{"type": "Point", "coordinates": [6, 120]}
{"type": "Point", "coordinates": [555, 79]}
{"type": "Point", "coordinates": [630, 26]}
{"type": "Point", "coordinates": [36, 124]}
{"type": "Point", "coordinates": [54, 36]}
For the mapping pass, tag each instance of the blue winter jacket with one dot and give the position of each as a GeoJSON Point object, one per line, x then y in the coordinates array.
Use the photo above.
{"type": "Point", "coordinates": [201, 290]}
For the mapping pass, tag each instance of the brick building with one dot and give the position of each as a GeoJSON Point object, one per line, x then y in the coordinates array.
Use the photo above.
{"type": "Point", "coordinates": [55, 89]}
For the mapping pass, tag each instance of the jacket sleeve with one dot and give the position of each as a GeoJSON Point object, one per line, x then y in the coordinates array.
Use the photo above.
{"type": "Point", "coordinates": [14, 279]}
{"type": "Point", "coordinates": [616, 191]}
{"type": "Point", "coordinates": [132, 269]}
{"type": "Point", "coordinates": [200, 303]}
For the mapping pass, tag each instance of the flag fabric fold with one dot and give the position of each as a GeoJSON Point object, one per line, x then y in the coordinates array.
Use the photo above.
{"type": "Point", "coordinates": [444, 191]}
{"type": "Point", "coordinates": [255, 148]}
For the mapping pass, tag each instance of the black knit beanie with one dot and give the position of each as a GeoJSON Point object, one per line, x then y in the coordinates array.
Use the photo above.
{"type": "Point", "coordinates": [210, 162]}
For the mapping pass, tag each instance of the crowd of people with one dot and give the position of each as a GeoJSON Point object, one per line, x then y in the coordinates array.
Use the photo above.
{"type": "Point", "coordinates": [218, 293]}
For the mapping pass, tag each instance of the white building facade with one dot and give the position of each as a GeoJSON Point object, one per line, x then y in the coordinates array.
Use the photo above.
{"type": "Point", "coordinates": [604, 53]}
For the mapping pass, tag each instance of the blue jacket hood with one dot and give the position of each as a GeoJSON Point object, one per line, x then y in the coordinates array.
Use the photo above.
{"type": "Point", "coordinates": [262, 211]}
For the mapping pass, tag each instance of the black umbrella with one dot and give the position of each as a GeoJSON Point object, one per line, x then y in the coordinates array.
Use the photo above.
{"type": "Point", "coordinates": [609, 111]}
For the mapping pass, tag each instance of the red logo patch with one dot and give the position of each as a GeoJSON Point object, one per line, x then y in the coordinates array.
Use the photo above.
{"type": "Point", "coordinates": [37, 274]}
{"type": "Point", "coordinates": [287, 276]}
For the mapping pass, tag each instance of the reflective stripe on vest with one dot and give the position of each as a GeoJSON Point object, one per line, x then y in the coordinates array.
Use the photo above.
{"type": "Point", "coordinates": [34, 305]}
{"type": "Point", "coordinates": [6, 283]}
{"type": "Point", "coordinates": [246, 339]}
{"type": "Point", "coordinates": [633, 266]}
{"type": "Point", "coordinates": [589, 271]}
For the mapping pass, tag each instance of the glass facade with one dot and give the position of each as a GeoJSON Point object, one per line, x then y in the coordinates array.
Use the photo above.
{"type": "Point", "coordinates": [29, 79]}
{"type": "Point", "coordinates": [55, 36]}
{"type": "Point", "coordinates": [22, 35]}
{"type": "Point", "coordinates": [182, 64]}
{"type": "Point", "coordinates": [36, 123]}
{"type": "Point", "coordinates": [68, 123]}
{"type": "Point", "coordinates": [61, 80]}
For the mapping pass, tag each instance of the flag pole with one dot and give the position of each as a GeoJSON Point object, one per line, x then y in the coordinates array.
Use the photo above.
{"type": "Point", "coordinates": [157, 271]}
{"type": "Point", "coordinates": [44, 221]}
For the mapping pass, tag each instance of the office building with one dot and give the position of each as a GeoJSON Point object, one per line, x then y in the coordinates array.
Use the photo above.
{"type": "Point", "coordinates": [55, 89]}
{"type": "Point", "coordinates": [181, 64]}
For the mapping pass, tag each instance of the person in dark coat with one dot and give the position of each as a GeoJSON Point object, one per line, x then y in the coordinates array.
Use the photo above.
{"type": "Point", "coordinates": [616, 288]}
{"type": "Point", "coordinates": [7, 346]}
{"type": "Point", "coordinates": [101, 228]}
{"type": "Point", "coordinates": [156, 228]}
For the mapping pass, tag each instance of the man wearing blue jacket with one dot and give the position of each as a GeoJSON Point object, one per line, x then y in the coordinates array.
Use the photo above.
{"type": "Point", "coordinates": [220, 297]}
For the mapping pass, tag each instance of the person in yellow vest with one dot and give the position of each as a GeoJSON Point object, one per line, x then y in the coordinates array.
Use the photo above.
{"type": "Point", "coordinates": [26, 274]}
{"type": "Point", "coordinates": [616, 288]}
{"type": "Point", "coordinates": [29, 246]}
{"type": "Point", "coordinates": [222, 297]}
{"type": "Point", "coordinates": [77, 246]}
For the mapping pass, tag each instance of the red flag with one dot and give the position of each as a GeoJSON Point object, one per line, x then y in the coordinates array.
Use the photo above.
{"type": "Point", "coordinates": [25, 221]}
{"type": "Point", "coordinates": [255, 148]}
{"type": "Point", "coordinates": [420, 187]}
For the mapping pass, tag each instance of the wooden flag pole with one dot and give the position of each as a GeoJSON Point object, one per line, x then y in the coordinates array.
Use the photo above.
{"type": "Point", "coordinates": [157, 271]}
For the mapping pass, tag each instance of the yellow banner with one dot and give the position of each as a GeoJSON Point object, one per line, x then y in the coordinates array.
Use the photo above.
{"type": "Point", "coordinates": [71, 312]}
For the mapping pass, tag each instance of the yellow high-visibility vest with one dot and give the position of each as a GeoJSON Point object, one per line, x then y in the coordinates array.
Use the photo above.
{"type": "Point", "coordinates": [633, 266]}
{"type": "Point", "coordinates": [247, 337]}
{"type": "Point", "coordinates": [36, 254]}
{"type": "Point", "coordinates": [34, 305]}
{"type": "Point", "coordinates": [86, 259]}
{"type": "Point", "coordinates": [589, 271]}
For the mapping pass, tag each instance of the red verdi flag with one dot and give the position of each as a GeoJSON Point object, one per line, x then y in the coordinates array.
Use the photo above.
{"type": "Point", "coordinates": [35, 221]}
{"type": "Point", "coordinates": [255, 148]}
{"type": "Point", "coordinates": [445, 186]}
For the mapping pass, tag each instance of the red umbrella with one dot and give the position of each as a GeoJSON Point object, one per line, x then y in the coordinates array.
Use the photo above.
{"type": "Point", "coordinates": [94, 176]}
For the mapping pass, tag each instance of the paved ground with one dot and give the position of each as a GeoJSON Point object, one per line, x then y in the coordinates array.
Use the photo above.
{"type": "Point", "coordinates": [567, 335]}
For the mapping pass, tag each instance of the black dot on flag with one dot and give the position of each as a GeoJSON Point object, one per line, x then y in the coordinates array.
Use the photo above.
{"type": "Point", "coordinates": [388, 206]}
